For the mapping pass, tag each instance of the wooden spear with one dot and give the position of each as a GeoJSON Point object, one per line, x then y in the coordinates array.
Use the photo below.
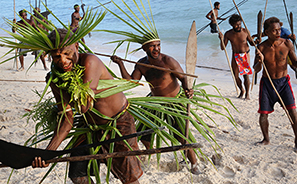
{"type": "Point", "coordinates": [264, 66]}
{"type": "Point", "coordinates": [150, 66]}
{"type": "Point", "coordinates": [122, 154]}
{"type": "Point", "coordinates": [228, 60]}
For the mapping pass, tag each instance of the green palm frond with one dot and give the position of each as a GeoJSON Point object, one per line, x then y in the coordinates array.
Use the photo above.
{"type": "Point", "coordinates": [36, 39]}
{"type": "Point", "coordinates": [143, 25]}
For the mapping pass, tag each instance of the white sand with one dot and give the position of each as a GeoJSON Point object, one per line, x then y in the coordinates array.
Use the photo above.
{"type": "Point", "coordinates": [240, 160]}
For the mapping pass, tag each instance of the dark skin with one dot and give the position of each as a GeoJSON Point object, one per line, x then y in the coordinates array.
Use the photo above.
{"type": "Point", "coordinates": [162, 83]}
{"type": "Point", "coordinates": [211, 17]}
{"type": "Point", "coordinates": [239, 40]}
{"type": "Point", "coordinates": [94, 71]}
{"type": "Point", "coordinates": [23, 24]}
{"type": "Point", "coordinates": [75, 18]}
{"type": "Point", "coordinates": [273, 53]}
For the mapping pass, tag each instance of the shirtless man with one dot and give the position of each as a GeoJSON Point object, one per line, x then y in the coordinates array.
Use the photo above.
{"type": "Point", "coordinates": [162, 83]}
{"type": "Point", "coordinates": [127, 169]}
{"type": "Point", "coordinates": [23, 14]}
{"type": "Point", "coordinates": [75, 18]}
{"type": "Point", "coordinates": [210, 16]}
{"type": "Point", "coordinates": [273, 53]}
{"type": "Point", "coordinates": [239, 39]}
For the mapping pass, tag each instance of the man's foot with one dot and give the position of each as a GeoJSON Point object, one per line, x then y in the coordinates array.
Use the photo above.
{"type": "Point", "coordinates": [46, 68]}
{"type": "Point", "coordinates": [241, 94]}
{"type": "Point", "coordinates": [247, 98]}
{"type": "Point", "coordinates": [20, 69]}
{"type": "Point", "coordinates": [195, 170]}
{"type": "Point", "coordinates": [263, 142]}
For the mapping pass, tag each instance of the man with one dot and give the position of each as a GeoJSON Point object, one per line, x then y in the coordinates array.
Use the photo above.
{"type": "Point", "coordinates": [273, 53]}
{"type": "Point", "coordinates": [162, 83]}
{"type": "Point", "coordinates": [211, 16]}
{"type": "Point", "coordinates": [127, 169]}
{"type": "Point", "coordinates": [240, 63]}
{"type": "Point", "coordinates": [23, 14]}
{"type": "Point", "coordinates": [75, 18]}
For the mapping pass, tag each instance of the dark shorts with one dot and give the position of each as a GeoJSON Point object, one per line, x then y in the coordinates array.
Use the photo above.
{"type": "Point", "coordinates": [268, 97]}
{"type": "Point", "coordinates": [213, 27]}
{"type": "Point", "coordinates": [127, 169]}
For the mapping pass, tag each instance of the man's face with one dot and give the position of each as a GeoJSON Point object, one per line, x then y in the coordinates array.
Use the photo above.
{"type": "Point", "coordinates": [237, 26]}
{"type": "Point", "coordinates": [66, 57]}
{"type": "Point", "coordinates": [76, 8]}
{"type": "Point", "coordinates": [24, 15]}
{"type": "Point", "coordinates": [152, 49]}
{"type": "Point", "coordinates": [218, 7]}
{"type": "Point", "coordinates": [274, 31]}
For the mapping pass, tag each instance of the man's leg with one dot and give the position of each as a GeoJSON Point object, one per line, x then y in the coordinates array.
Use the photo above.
{"type": "Point", "coordinates": [236, 75]}
{"type": "Point", "coordinates": [22, 62]}
{"type": "Point", "coordinates": [247, 86]}
{"type": "Point", "coordinates": [293, 115]}
{"type": "Point", "coordinates": [264, 128]}
{"type": "Point", "coordinates": [43, 62]}
{"type": "Point", "coordinates": [81, 180]}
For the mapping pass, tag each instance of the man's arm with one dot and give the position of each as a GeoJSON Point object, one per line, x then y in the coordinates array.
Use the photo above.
{"type": "Point", "coordinates": [225, 40]}
{"type": "Point", "coordinates": [83, 9]}
{"type": "Point", "coordinates": [63, 128]}
{"type": "Point", "coordinates": [208, 16]}
{"type": "Point", "coordinates": [249, 39]}
{"type": "Point", "coordinates": [291, 53]}
{"type": "Point", "coordinates": [259, 58]}
{"type": "Point", "coordinates": [136, 74]}
{"type": "Point", "coordinates": [175, 66]}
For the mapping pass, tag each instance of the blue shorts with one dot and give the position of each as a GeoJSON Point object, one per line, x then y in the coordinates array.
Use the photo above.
{"type": "Point", "coordinates": [268, 97]}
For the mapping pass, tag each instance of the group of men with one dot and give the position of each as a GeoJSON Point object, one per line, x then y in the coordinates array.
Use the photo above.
{"type": "Point", "coordinates": [273, 53]}
{"type": "Point", "coordinates": [75, 18]}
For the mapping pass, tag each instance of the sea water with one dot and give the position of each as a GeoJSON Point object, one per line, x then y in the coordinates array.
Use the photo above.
{"type": "Point", "coordinates": [173, 19]}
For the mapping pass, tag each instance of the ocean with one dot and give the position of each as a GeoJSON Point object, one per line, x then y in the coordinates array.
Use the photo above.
{"type": "Point", "coordinates": [173, 20]}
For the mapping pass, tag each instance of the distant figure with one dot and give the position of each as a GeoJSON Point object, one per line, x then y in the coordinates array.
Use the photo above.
{"type": "Point", "coordinates": [274, 52]}
{"type": "Point", "coordinates": [239, 39]}
{"type": "Point", "coordinates": [23, 14]}
{"type": "Point", "coordinates": [210, 16]}
{"type": "Point", "coordinates": [75, 18]}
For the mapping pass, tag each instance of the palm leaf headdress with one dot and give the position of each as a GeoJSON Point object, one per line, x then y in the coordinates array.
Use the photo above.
{"type": "Point", "coordinates": [143, 25]}
{"type": "Point", "coordinates": [32, 38]}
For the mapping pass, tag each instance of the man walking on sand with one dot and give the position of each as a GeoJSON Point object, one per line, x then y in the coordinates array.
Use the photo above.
{"type": "Point", "coordinates": [162, 83]}
{"type": "Point", "coordinates": [240, 63]}
{"type": "Point", "coordinates": [273, 53]}
{"type": "Point", "coordinates": [210, 16]}
{"type": "Point", "coordinates": [23, 14]}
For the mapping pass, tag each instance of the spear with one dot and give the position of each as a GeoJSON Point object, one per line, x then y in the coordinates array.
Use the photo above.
{"type": "Point", "coordinates": [150, 66]}
{"type": "Point", "coordinates": [264, 66]}
{"type": "Point", "coordinates": [228, 60]}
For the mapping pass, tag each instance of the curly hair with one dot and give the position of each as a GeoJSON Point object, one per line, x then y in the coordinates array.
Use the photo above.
{"type": "Point", "coordinates": [234, 18]}
{"type": "Point", "coordinates": [268, 22]}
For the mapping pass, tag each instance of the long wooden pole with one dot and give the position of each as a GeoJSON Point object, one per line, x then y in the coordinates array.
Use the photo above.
{"type": "Point", "coordinates": [16, 50]}
{"type": "Point", "coordinates": [126, 153]}
{"type": "Point", "coordinates": [228, 60]}
{"type": "Point", "coordinates": [122, 154]}
{"type": "Point", "coordinates": [150, 66]}
{"type": "Point", "coordinates": [264, 66]}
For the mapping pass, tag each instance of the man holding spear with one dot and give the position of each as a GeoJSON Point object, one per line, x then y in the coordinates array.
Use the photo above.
{"type": "Point", "coordinates": [273, 52]}
{"type": "Point", "coordinates": [239, 39]}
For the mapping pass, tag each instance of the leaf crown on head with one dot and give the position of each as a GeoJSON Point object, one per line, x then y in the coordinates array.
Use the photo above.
{"type": "Point", "coordinates": [143, 25]}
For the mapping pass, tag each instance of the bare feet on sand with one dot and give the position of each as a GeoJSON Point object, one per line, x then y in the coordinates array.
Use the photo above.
{"type": "Point", "coordinates": [263, 142]}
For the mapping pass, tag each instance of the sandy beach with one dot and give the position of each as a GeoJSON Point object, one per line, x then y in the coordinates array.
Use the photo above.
{"type": "Point", "coordinates": [238, 160]}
